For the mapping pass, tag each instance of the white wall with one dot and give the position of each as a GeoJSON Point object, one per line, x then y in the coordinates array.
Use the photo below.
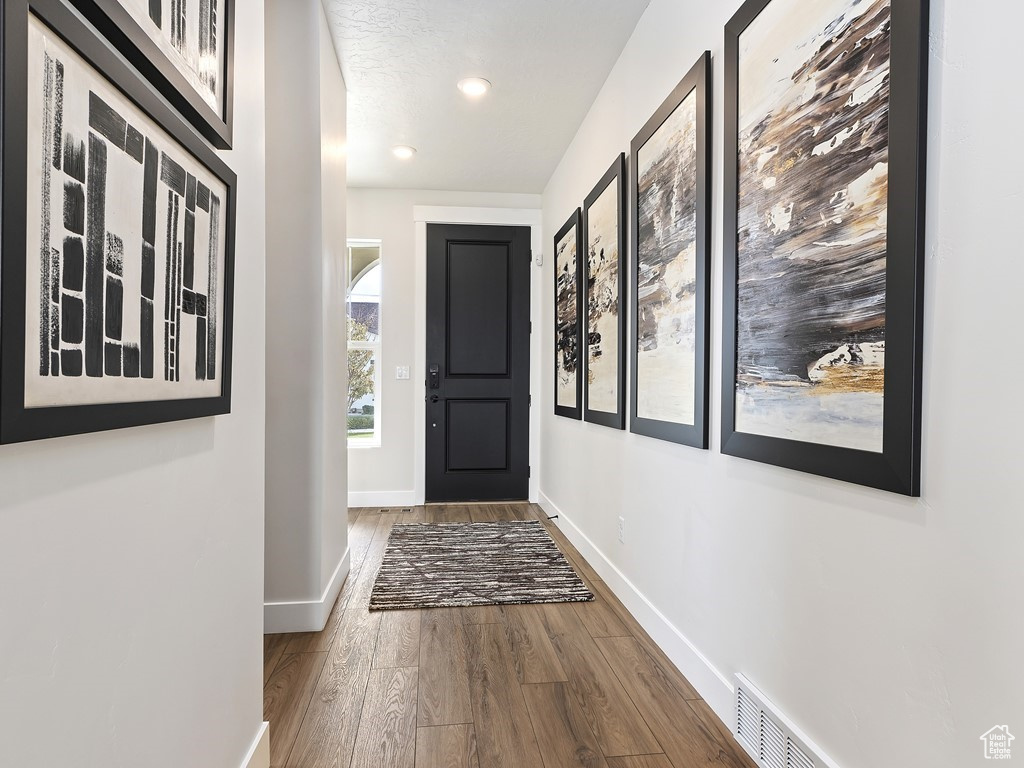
{"type": "Point", "coordinates": [384, 475]}
{"type": "Point", "coordinates": [888, 628]}
{"type": "Point", "coordinates": [307, 525]}
{"type": "Point", "coordinates": [333, 172]}
{"type": "Point", "coordinates": [131, 562]}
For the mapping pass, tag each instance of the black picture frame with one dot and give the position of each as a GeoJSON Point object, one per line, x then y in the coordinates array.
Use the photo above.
{"type": "Point", "coordinates": [898, 467]}
{"type": "Point", "coordinates": [698, 81]}
{"type": "Point", "coordinates": [18, 423]}
{"type": "Point", "coordinates": [574, 221]}
{"type": "Point", "coordinates": [124, 32]}
{"type": "Point", "coordinates": [616, 174]}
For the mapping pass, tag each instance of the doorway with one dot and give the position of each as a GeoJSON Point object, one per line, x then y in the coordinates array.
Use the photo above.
{"type": "Point", "coordinates": [477, 386]}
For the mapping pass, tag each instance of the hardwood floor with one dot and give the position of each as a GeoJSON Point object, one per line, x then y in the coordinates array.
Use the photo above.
{"type": "Point", "coordinates": [525, 686]}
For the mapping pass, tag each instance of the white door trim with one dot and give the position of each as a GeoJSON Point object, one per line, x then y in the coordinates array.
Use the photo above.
{"type": "Point", "coordinates": [514, 217]}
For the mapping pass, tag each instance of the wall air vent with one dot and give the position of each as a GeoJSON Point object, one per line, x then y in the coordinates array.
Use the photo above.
{"type": "Point", "coordinates": [769, 736]}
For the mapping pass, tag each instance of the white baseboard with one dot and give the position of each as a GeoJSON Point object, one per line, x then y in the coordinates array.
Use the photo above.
{"type": "Point", "coordinates": [306, 615]}
{"type": "Point", "coordinates": [710, 683]}
{"type": "Point", "coordinates": [259, 752]}
{"type": "Point", "coordinates": [382, 498]}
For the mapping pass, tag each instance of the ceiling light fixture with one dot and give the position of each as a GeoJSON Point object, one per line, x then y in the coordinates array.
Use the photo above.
{"type": "Point", "coordinates": [474, 87]}
{"type": "Point", "coordinates": [403, 151]}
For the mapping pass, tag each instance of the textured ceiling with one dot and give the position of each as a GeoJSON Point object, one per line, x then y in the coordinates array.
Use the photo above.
{"type": "Point", "coordinates": [401, 59]}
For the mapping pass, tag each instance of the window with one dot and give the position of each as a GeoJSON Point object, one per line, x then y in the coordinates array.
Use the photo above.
{"type": "Point", "coordinates": [364, 350]}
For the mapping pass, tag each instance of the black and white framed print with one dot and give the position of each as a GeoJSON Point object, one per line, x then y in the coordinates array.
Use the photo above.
{"type": "Point", "coordinates": [118, 241]}
{"type": "Point", "coordinates": [569, 318]}
{"type": "Point", "coordinates": [824, 231]}
{"type": "Point", "coordinates": [185, 49]}
{"type": "Point", "coordinates": [604, 228]}
{"type": "Point", "coordinates": [670, 265]}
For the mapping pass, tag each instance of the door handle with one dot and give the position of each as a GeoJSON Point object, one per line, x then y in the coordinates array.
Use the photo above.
{"type": "Point", "coordinates": [434, 398]}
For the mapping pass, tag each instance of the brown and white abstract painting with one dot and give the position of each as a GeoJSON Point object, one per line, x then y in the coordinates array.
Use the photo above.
{"type": "Point", "coordinates": [813, 119]}
{"type": "Point", "coordinates": [567, 329]}
{"type": "Point", "coordinates": [667, 269]}
{"type": "Point", "coordinates": [603, 292]}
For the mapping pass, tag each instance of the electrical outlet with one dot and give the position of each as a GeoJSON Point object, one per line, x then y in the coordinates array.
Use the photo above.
{"type": "Point", "coordinates": [402, 372]}
{"type": "Point", "coordinates": [622, 530]}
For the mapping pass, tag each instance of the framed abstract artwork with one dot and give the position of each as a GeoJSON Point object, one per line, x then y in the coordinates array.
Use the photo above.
{"type": "Point", "coordinates": [604, 237]}
{"type": "Point", "coordinates": [670, 264]}
{"type": "Point", "coordinates": [568, 318]}
{"type": "Point", "coordinates": [118, 241]}
{"type": "Point", "coordinates": [824, 231]}
{"type": "Point", "coordinates": [185, 48]}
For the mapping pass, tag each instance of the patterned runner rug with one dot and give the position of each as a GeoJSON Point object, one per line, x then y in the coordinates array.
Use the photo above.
{"type": "Point", "coordinates": [440, 565]}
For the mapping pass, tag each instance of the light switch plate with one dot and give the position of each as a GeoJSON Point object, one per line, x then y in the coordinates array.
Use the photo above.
{"type": "Point", "coordinates": [402, 372]}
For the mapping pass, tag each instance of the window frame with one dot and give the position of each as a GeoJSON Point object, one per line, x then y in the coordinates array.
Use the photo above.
{"type": "Point", "coordinates": [376, 347]}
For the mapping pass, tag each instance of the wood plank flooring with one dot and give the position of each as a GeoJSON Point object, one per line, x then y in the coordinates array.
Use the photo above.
{"type": "Point", "coordinates": [525, 686]}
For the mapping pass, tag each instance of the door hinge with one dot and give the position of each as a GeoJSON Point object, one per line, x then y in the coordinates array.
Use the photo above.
{"type": "Point", "coordinates": [529, 399]}
{"type": "Point", "coordinates": [529, 471]}
{"type": "Point", "coordinates": [531, 326]}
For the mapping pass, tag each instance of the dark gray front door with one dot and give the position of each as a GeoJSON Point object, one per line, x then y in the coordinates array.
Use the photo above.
{"type": "Point", "coordinates": [478, 363]}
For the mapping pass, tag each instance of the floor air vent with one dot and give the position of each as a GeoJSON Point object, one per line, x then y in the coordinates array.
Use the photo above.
{"type": "Point", "coordinates": [769, 736]}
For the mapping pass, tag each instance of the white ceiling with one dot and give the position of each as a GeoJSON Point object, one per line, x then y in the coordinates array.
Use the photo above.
{"type": "Point", "coordinates": [401, 59]}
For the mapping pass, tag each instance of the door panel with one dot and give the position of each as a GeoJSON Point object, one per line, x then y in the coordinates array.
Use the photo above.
{"type": "Point", "coordinates": [478, 435]}
{"type": "Point", "coordinates": [478, 322]}
{"type": "Point", "coordinates": [478, 363]}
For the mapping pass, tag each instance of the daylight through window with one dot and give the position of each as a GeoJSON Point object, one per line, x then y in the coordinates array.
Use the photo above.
{"type": "Point", "coordinates": [364, 343]}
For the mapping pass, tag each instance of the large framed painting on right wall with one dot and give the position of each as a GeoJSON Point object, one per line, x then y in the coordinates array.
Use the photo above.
{"type": "Point", "coordinates": [604, 299]}
{"type": "Point", "coordinates": [670, 213]}
{"type": "Point", "coordinates": [825, 111]}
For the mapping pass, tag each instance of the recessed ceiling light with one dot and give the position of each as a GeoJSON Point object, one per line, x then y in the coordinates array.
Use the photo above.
{"type": "Point", "coordinates": [474, 87]}
{"type": "Point", "coordinates": [403, 151]}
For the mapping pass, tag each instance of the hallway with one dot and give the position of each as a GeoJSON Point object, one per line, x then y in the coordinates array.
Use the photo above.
{"type": "Point", "coordinates": [534, 686]}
